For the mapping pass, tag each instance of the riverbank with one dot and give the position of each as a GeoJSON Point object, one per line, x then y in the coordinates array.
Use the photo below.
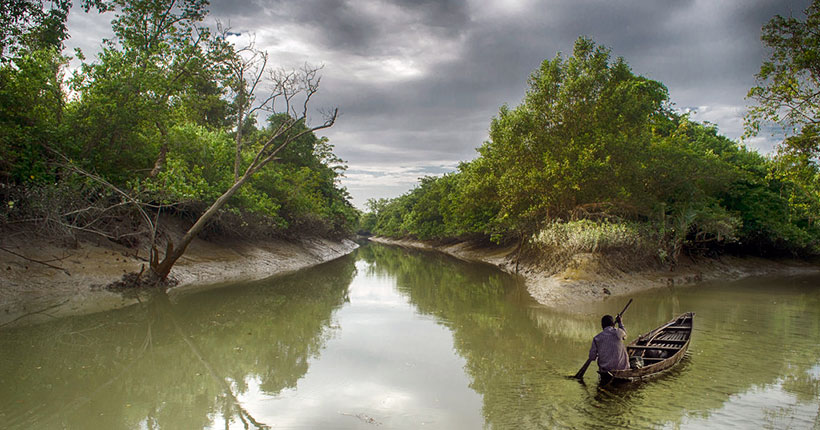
{"type": "Point", "coordinates": [45, 280]}
{"type": "Point", "coordinates": [589, 277]}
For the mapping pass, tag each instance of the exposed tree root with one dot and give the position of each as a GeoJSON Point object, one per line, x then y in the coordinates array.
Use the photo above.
{"type": "Point", "coordinates": [141, 280]}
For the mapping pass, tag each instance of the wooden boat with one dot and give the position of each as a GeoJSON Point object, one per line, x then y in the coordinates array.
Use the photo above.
{"type": "Point", "coordinates": [657, 351]}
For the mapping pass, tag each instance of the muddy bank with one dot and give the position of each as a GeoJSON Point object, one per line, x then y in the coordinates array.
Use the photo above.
{"type": "Point", "coordinates": [71, 280]}
{"type": "Point", "coordinates": [589, 278]}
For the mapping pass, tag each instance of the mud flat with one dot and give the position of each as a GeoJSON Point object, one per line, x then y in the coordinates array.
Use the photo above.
{"type": "Point", "coordinates": [589, 277]}
{"type": "Point", "coordinates": [72, 280]}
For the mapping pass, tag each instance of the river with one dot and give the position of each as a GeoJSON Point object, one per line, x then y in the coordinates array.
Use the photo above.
{"type": "Point", "coordinates": [403, 339]}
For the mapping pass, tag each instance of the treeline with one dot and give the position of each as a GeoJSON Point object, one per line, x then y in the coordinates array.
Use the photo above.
{"type": "Point", "coordinates": [167, 117]}
{"type": "Point", "coordinates": [595, 158]}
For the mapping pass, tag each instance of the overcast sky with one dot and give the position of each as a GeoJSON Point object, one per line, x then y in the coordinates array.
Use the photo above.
{"type": "Point", "coordinates": [418, 81]}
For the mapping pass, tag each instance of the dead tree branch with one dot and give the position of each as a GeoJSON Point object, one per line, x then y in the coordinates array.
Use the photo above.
{"type": "Point", "coordinates": [35, 261]}
{"type": "Point", "coordinates": [288, 85]}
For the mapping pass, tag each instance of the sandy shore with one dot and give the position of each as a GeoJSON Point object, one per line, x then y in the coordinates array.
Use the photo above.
{"type": "Point", "coordinates": [32, 292]}
{"type": "Point", "coordinates": [583, 280]}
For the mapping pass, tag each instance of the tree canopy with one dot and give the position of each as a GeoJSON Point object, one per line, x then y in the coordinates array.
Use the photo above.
{"type": "Point", "coordinates": [156, 115]}
{"type": "Point", "coordinates": [594, 141]}
{"type": "Point", "coordinates": [788, 81]}
{"type": "Point", "coordinates": [787, 95]}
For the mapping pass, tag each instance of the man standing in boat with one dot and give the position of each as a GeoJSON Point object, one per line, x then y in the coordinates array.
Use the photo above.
{"type": "Point", "coordinates": [608, 346]}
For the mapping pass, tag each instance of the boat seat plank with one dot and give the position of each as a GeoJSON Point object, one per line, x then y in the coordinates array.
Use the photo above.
{"type": "Point", "coordinates": [671, 348]}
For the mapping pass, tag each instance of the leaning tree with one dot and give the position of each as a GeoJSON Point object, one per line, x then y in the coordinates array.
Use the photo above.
{"type": "Point", "coordinates": [290, 98]}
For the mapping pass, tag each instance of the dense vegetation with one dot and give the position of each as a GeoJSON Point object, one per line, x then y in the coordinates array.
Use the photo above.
{"type": "Point", "coordinates": [167, 117]}
{"type": "Point", "coordinates": [595, 158]}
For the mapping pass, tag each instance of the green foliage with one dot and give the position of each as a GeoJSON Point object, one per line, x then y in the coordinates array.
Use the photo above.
{"type": "Point", "coordinates": [31, 109]}
{"type": "Point", "coordinates": [26, 26]}
{"type": "Point", "coordinates": [578, 138]}
{"type": "Point", "coordinates": [594, 156]}
{"type": "Point", "coordinates": [786, 90]}
{"type": "Point", "coordinates": [298, 193]}
{"type": "Point", "coordinates": [151, 115]}
{"type": "Point", "coordinates": [195, 169]}
{"type": "Point", "coordinates": [786, 94]}
{"type": "Point", "coordinates": [165, 68]}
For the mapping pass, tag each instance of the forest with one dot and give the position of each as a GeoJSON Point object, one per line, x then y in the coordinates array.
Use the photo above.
{"type": "Point", "coordinates": [596, 159]}
{"type": "Point", "coordinates": [169, 117]}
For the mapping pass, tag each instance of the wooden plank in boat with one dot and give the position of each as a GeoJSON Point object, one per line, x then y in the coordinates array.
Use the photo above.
{"type": "Point", "coordinates": [671, 348]}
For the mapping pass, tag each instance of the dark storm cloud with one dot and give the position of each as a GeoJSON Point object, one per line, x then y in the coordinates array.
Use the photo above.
{"type": "Point", "coordinates": [348, 26]}
{"type": "Point", "coordinates": [417, 81]}
{"type": "Point", "coordinates": [345, 25]}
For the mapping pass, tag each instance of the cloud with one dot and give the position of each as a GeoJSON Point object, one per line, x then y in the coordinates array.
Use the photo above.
{"type": "Point", "coordinates": [376, 181]}
{"type": "Point", "coordinates": [394, 175]}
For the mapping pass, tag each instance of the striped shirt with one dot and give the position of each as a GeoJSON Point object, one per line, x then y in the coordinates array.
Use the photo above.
{"type": "Point", "coordinates": [609, 349]}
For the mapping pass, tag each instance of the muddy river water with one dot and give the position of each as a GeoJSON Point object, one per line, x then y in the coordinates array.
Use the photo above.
{"type": "Point", "coordinates": [402, 339]}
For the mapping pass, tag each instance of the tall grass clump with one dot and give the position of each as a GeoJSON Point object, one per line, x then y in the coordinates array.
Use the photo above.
{"type": "Point", "coordinates": [630, 243]}
{"type": "Point", "coordinates": [596, 236]}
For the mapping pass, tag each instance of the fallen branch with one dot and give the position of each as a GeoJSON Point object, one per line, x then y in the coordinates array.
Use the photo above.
{"type": "Point", "coordinates": [35, 261]}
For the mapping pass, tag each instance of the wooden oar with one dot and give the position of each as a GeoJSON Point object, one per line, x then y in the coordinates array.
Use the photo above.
{"type": "Point", "coordinates": [580, 374]}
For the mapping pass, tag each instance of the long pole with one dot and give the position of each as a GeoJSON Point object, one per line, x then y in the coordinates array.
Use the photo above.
{"type": "Point", "coordinates": [580, 374]}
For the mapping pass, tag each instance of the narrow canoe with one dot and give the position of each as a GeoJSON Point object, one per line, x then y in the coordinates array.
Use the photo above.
{"type": "Point", "coordinates": [659, 350]}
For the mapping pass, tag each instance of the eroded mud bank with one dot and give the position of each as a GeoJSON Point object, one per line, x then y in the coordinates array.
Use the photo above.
{"type": "Point", "coordinates": [589, 278]}
{"type": "Point", "coordinates": [45, 280]}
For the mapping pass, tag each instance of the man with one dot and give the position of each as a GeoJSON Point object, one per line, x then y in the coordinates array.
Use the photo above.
{"type": "Point", "coordinates": [608, 346]}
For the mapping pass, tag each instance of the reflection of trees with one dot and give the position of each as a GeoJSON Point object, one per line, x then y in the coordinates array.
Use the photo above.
{"type": "Point", "coordinates": [508, 357]}
{"type": "Point", "coordinates": [517, 354]}
{"type": "Point", "coordinates": [170, 365]}
{"type": "Point", "coordinates": [167, 365]}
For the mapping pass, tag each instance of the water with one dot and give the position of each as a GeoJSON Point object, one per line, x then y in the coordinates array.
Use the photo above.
{"type": "Point", "coordinates": [395, 338]}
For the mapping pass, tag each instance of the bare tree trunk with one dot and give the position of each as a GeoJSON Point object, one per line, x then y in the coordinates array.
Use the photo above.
{"type": "Point", "coordinates": [162, 269]}
{"type": "Point", "coordinates": [518, 251]}
{"type": "Point", "coordinates": [163, 151]}
{"type": "Point", "coordinates": [238, 158]}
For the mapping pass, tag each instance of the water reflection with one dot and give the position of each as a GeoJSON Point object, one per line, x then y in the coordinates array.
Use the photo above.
{"type": "Point", "coordinates": [749, 334]}
{"type": "Point", "coordinates": [164, 365]}
{"type": "Point", "coordinates": [405, 339]}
